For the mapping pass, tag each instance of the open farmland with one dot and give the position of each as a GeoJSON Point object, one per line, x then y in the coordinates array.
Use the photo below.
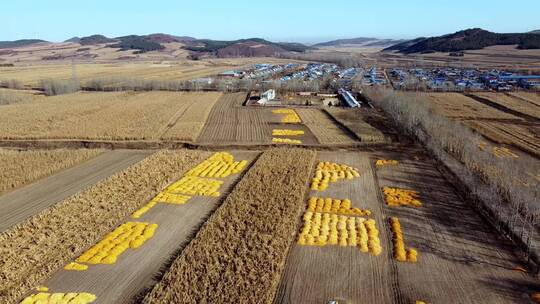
{"type": "Point", "coordinates": [530, 97]}
{"type": "Point", "coordinates": [22, 167]}
{"type": "Point", "coordinates": [108, 116]}
{"type": "Point", "coordinates": [524, 137]}
{"type": "Point", "coordinates": [326, 131]}
{"type": "Point", "coordinates": [494, 124]}
{"type": "Point", "coordinates": [352, 120]}
{"type": "Point", "coordinates": [135, 270]}
{"type": "Point", "coordinates": [520, 106]}
{"type": "Point", "coordinates": [31, 75]}
{"type": "Point", "coordinates": [24, 202]}
{"type": "Point", "coordinates": [457, 258]}
{"type": "Point", "coordinates": [229, 122]}
{"type": "Point", "coordinates": [238, 255]}
{"type": "Point", "coordinates": [459, 106]}
{"type": "Point", "coordinates": [104, 205]}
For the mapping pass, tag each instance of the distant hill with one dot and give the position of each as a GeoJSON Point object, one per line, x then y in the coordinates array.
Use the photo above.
{"type": "Point", "coordinates": [74, 40]}
{"type": "Point", "coordinates": [141, 44]}
{"type": "Point", "coordinates": [361, 42]}
{"type": "Point", "coordinates": [19, 43]}
{"type": "Point", "coordinates": [404, 45]}
{"type": "Point", "coordinates": [471, 39]}
{"type": "Point", "coordinates": [166, 38]}
{"type": "Point", "coordinates": [535, 32]}
{"type": "Point", "coordinates": [252, 47]}
{"type": "Point", "coordinates": [95, 39]}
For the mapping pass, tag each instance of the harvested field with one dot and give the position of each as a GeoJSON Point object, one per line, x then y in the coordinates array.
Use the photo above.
{"type": "Point", "coordinates": [352, 120]}
{"type": "Point", "coordinates": [229, 122]}
{"type": "Point", "coordinates": [325, 130]}
{"type": "Point", "coordinates": [23, 167]}
{"type": "Point", "coordinates": [20, 204]}
{"type": "Point", "coordinates": [530, 97]}
{"type": "Point", "coordinates": [458, 106]}
{"type": "Point", "coordinates": [238, 255]}
{"type": "Point", "coordinates": [187, 123]}
{"type": "Point", "coordinates": [106, 116]}
{"type": "Point", "coordinates": [134, 271]}
{"type": "Point", "coordinates": [526, 138]}
{"type": "Point", "coordinates": [32, 74]}
{"type": "Point", "coordinates": [458, 256]}
{"type": "Point", "coordinates": [512, 103]}
{"type": "Point", "coordinates": [57, 235]}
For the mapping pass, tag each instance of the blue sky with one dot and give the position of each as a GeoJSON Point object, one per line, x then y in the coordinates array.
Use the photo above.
{"type": "Point", "coordinates": [278, 20]}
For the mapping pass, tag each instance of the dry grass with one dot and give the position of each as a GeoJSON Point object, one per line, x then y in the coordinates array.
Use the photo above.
{"type": "Point", "coordinates": [8, 96]}
{"type": "Point", "coordinates": [187, 123]}
{"type": "Point", "coordinates": [239, 255]}
{"type": "Point", "coordinates": [324, 129]}
{"type": "Point", "coordinates": [30, 75]}
{"type": "Point", "coordinates": [511, 134]}
{"type": "Point", "coordinates": [531, 97]}
{"type": "Point", "coordinates": [107, 116]}
{"type": "Point", "coordinates": [513, 103]}
{"type": "Point", "coordinates": [34, 249]}
{"type": "Point", "coordinates": [23, 167]}
{"type": "Point", "coordinates": [351, 119]}
{"type": "Point", "coordinates": [455, 105]}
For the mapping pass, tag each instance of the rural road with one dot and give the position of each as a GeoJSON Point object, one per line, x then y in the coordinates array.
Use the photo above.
{"type": "Point", "coordinates": [18, 205]}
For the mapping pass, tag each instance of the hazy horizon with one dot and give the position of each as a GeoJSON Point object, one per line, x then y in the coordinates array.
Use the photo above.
{"type": "Point", "coordinates": [301, 21]}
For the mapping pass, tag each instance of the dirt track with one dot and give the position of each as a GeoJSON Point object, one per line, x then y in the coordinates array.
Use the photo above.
{"type": "Point", "coordinates": [18, 205]}
{"type": "Point", "coordinates": [137, 270]}
{"type": "Point", "coordinates": [461, 259]}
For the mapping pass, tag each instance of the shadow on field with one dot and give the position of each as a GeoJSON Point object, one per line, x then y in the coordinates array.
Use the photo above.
{"type": "Point", "coordinates": [516, 291]}
{"type": "Point", "coordinates": [461, 235]}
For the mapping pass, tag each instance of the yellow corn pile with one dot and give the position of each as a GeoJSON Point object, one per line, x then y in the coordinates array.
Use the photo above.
{"type": "Point", "coordinates": [321, 229]}
{"type": "Point", "coordinates": [286, 132]}
{"type": "Point", "coordinates": [76, 266]}
{"type": "Point", "coordinates": [290, 115]}
{"type": "Point", "coordinates": [482, 145]}
{"type": "Point", "coordinates": [327, 172]}
{"type": "Point", "coordinates": [400, 252]}
{"type": "Point", "coordinates": [401, 197]}
{"type": "Point", "coordinates": [59, 297]}
{"type": "Point", "coordinates": [42, 288]}
{"type": "Point", "coordinates": [329, 205]}
{"type": "Point", "coordinates": [502, 152]}
{"type": "Point", "coordinates": [193, 185]}
{"type": "Point", "coordinates": [128, 235]}
{"type": "Point", "coordinates": [286, 141]}
{"type": "Point", "coordinates": [219, 165]}
{"type": "Point", "coordinates": [386, 162]}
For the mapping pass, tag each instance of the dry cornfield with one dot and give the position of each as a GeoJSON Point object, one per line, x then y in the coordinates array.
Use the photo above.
{"type": "Point", "coordinates": [238, 255]}
{"type": "Point", "coordinates": [22, 167]}
{"type": "Point", "coordinates": [108, 116]}
{"type": "Point", "coordinates": [324, 129]}
{"type": "Point", "coordinates": [59, 234]}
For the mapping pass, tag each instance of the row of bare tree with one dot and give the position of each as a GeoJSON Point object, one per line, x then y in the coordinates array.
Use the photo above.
{"type": "Point", "coordinates": [501, 187]}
